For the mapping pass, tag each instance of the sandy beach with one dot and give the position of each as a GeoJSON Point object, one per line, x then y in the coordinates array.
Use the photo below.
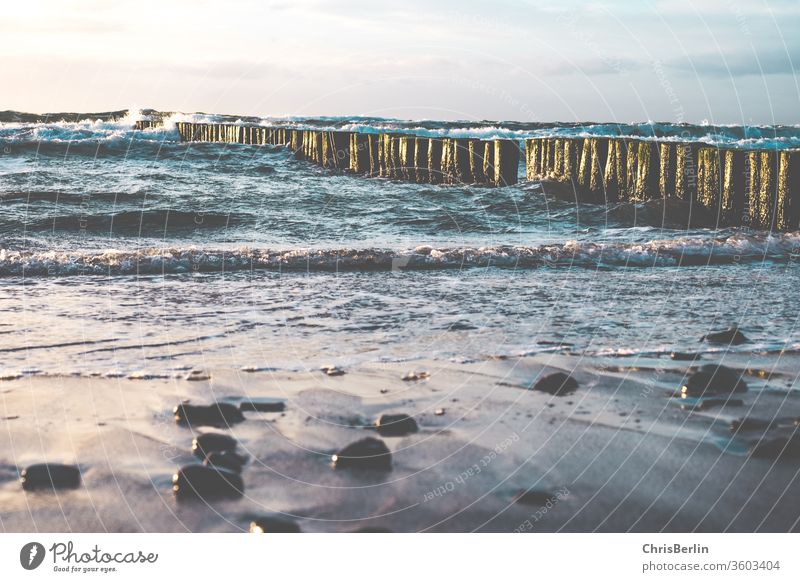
{"type": "Point", "coordinates": [622, 453]}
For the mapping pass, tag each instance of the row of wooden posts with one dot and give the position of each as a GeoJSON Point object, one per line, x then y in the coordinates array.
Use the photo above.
{"type": "Point", "coordinates": [389, 155]}
{"type": "Point", "coordinates": [756, 188]}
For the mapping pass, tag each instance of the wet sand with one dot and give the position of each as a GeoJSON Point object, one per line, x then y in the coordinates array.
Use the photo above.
{"type": "Point", "coordinates": [620, 454]}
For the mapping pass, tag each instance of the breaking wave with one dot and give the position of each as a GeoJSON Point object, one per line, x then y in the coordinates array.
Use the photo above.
{"type": "Point", "coordinates": [16, 127]}
{"type": "Point", "coordinates": [689, 251]}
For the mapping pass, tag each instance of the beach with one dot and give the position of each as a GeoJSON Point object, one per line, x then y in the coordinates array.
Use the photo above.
{"type": "Point", "coordinates": [140, 273]}
{"type": "Point", "coordinates": [621, 454]}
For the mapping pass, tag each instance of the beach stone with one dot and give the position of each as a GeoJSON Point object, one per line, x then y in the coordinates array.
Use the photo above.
{"type": "Point", "coordinates": [534, 497]}
{"type": "Point", "coordinates": [439, 412]}
{"type": "Point", "coordinates": [219, 414]}
{"type": "Point", "coordinates": [332, 370]}
{"type": "Point", "coordinates": [263, 405]}
{"type": "Point", "coordinates": [731, 336]}
{"type": "Point", "coordinates": [416, 376]}
{"type": "Point", "coordinates": [714, 379]}
{"type": "Point", "coordinates": [749, 423]}
{"type": "Point", "coordinates": [273, 524]}
{"type": "Point", "coordinates": [368, 453]}
{"type": "Point", "coordinates": [787, 447]}
{"type": "Point", "coordinates": [390, 425]}
{"type": "Point", "coordinates": [226, 460]}
{"type": "Point", "coordinates": [557, 384]}
{"type": "Point", "coordinates": [212, 442]}
{"type": "Point", "coordinates": [50, 476]}
{"type": "Point", "coordinates": [206, 483]}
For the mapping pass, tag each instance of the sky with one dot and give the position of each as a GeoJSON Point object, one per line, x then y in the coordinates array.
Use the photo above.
{"type": "Point", "coordinates": [720, 61]}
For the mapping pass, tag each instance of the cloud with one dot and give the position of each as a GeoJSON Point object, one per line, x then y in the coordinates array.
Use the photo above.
{"type": "Point", "coordinates": [740, 64]}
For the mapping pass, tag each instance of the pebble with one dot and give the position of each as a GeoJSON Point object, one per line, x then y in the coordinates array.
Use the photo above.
{"type": "Point", "coordinates": [731, 336]}
{"type": "Point", "coordinates": [777, 448]}
{"type": "Point", "coordinates": [714, 379]}
{"type": "Point", "coordinates": [367, 453]}
{"type": "Point", "coordinates": [684, 356]}
{"type": "Point", "coordinates": [226, 460]}
{"type": "Point", "coordinates": [198, 376]}
{"type": "Point", "coordinates": [749, 423]}
{"type": "Point", "coordinates": [557, 384]}
{"type": "Point", "coordinates": [50, 476]}
{"type": "Point", "coordinates": [220, 414]}
{"type": "Point", "coordinates": [263, 405]}
{"type": "Point", "coordinates": [273, 524]}
{"type": "Point", "coordinates": [390, 425]}
{"type": "Point", "coordinates": [533, 497]}
{"type": "Point", "coordinates": [206, 483]}
{"type": "Point", "coordinates": [333, 371]}
{"type": "Point", "coordinates": [439, 412]}
{"type": "Point", "coordinates": [414, 376]}
{"type": "Point", "coordinates": [212, 442]}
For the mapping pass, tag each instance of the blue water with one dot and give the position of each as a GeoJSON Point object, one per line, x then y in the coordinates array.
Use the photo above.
{"type": "Point", "coordinates": [125, 251]}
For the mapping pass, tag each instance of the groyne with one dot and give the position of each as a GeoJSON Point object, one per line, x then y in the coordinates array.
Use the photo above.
{"type": "Point", "coordinates": [756, 188]}
{"type": "Point", "coordinates": [759, 188]}
{"type": "Point", "coordinates": [398, 156]}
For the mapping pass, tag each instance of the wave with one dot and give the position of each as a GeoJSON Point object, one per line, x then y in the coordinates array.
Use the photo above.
{"type": "Point", "coordinates": [26, 128]}
{"type": "Point", "coordinates": [738, 248]}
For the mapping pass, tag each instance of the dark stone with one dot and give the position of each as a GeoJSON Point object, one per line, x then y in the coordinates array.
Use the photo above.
{"type": "Point", "coordinates": [50, 476]}
{"type": "Point", "coordinates": [777, 448]}
{"type": "Point", "coordinates": [226, 460]}
{"type": "Point", "coordinates": [373, 529]}
{"type": "Point", "coordinates": [558, 384]}
{"type": "Point", "coordinates": [714, 379]}
{"type": "Point", "coordinates": [390, 425]}
{"type": "Point", "coordinates": [368, 453]}
{"type": "Point", "coordinates": [273, 524]}
{"type": "Point", "coordinates": [731, 336]}
{"type": "Point", "coordinates": [684, 356]}
{"type": "Point", "coordinates": [263, 405]}
{"type": "Point", "coordinates": [534, 497]}
{"type": "Point", "coordinates": [220, 414]}
{"type": "Point", "coordinates": [206, 483]}
{"type": "Point", "coordinates": [748, 423]}
{"type": "Point", "coordinates": [212, 442]}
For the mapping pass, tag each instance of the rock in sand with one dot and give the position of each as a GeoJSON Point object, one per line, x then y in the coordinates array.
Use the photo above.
{"type": "Point", "coordinates": [389, 425]}
{"type": "Point", "coordinates": [557, 384]}
{"type": "Point", "coordinates": [714, 379]}
{"type": "Point", "coordinates": [219, 414]}
{"type": "Point", "coordinates": [368, 453]}
{"type": "Point", "coordinates": [211, 442]}
{"type": "Point", "coordinates": [273, 524]}
{"type": "Point", "coordinates": [50, 476]}
{"type": "Point", "coordinates": [206, 483]}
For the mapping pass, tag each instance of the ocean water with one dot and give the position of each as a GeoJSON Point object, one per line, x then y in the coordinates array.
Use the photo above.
{"type": "Point", "coordinates": [131, 253]}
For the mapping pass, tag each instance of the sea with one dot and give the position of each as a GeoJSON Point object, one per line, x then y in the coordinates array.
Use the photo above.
{"type": "Point", "coordinates": [128, 253]}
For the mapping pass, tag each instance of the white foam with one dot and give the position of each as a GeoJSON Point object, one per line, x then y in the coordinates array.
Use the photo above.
{"type": "Point", "coordinates": [735, 248]}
